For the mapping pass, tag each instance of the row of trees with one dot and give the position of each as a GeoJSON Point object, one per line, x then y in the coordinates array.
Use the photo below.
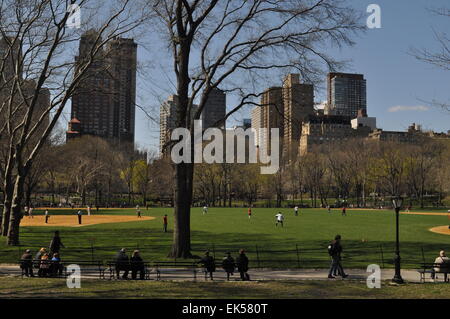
{"type": "Point", "coordinates": [98, 172]}
{"type": "Point", "coordinates": [356, 170]}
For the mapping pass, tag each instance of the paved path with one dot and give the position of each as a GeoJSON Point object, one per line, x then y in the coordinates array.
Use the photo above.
{"type": "Point", "coordinates": [257, 274]}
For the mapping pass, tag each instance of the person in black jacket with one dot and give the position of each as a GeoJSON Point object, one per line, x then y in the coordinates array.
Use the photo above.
{"type": "Point", "coordinates": [122, 263]}
{"type": "Point", "coordinates": [242, 265]}
{"type": "Point", "coordinates": [55, 244]}
{"type": "Point", "coordinates": [209, 264]}
{"type": "Point", "coordinates": [228, 265]}
{"type": "Point", "coordinates": [335, 251]}
{"type": "Point", "coordinates": [137, 265]}
{"type": "Point", "coordinates": [26, 263]}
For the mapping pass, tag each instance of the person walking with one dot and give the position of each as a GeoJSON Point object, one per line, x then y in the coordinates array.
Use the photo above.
{"type": "Point", "coordinates": [228, 265]}
{"type": "Point", "coordinates": [335, 251]}
{"type": "Point", "coordinates": [329, 209]}
{"type": "Point", "coordinates": [25, 211]}
{"type": "Point", "coordinates": [26, 263]}
{"type": "Point", "coordinates": [47, 216]}
{"type": "Point", "coordinates": [122, 264]}
{"type": "Point", "coordinates": [242, 265]}
{"type": "Point", "coordinates": [56, 243]}
{"type": "Point", "coordinates": [30, 212]}
{"type": "Point", "coordinates": [79, 214]}
{"type": "Point", "coordinates": [205, 209]}
{"type": "Point", "coordinates": [280, 219]}
{"type": "Point", "coordinates": [249, 212]}
{"type": "Point", "coordinates": [296, 210]}
{"type": "Point", "coordinates": [137, 265]}
{"type": "Point", "coordinates": [89, 210]}
{"type": "Point", "coordinates": [344, 211]}
{"type": "Point", "coordinates": [138, 212]}
{"type": "Point", "coordinates": [209, 264]}
{"type": "Point", "coordinates": [165, 223]}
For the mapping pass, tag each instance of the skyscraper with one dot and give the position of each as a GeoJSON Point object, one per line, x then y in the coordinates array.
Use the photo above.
{"type": "Point", "coordinates": [105, 102]}
{"type": "Point", "coordinates": [268, 115]}
{"type": "Point", "coordinates": [214, 110]}
{"type": "Point", "coordinates": [298, 103]}
{"type": "Point", "coordinates": [346, 94]}
{"type": "Point", "coordinates": [167, 122]}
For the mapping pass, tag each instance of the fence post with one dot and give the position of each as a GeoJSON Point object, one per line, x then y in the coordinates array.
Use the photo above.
{"type": "Point", "coordinates": [382, 256]}
{"type": "Point", "coordinates": [257, 256]}
{"type": "Point", "coordinates": [298, 255]}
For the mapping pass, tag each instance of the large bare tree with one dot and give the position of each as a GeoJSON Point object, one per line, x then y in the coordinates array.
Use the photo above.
{"type": "Point", "coordinates": [232, 45]}
{"type": "Point", "coordinates": [39, 75]}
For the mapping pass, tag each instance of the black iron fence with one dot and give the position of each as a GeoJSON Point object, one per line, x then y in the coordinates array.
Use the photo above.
{"type": "Point", "coordinates": [293, 256]}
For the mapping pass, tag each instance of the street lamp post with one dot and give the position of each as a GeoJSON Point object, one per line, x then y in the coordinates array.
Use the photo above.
{"type": "Point", "coordinates": [397, 205]}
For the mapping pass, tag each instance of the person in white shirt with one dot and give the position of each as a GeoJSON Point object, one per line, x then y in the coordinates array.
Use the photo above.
{"type": "Point", "coordinates": [30, 212]}
{"type": "Point", "coordinates": [205, 209]}
{"type": "Point", "coordinates": [440, 268]}
{"type": "Point", "coordinates": [280, 219]}
{"type": "Point", "coordinates": [46, 216]}
{"type": "Point", "coordinates": [89, 210]}
{"type": "Point", "coordinates": [296, 210]}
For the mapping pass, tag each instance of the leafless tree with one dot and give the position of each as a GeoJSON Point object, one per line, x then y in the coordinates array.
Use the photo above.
{"type": "Point", "coordinates": [439, 58]}
{"type": "Point", "coordinates": [39, 76]}
{"type": "Point", "coordinates": [231, 45]}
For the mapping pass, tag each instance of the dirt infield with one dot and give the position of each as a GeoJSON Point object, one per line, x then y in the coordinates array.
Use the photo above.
{"type": "Point", "coordinates": [425, 213]}
{"type": "Point", "coordinates": [444, 230]}
{"type": "Point", "coordinates": [72, 220]}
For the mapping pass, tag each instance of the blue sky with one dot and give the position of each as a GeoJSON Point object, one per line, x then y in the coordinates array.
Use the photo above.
{"type": "Point", "coordinates": [395, 79]}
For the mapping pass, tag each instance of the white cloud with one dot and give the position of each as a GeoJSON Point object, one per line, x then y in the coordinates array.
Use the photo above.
{"type": "Point", "coordinates": [404, 108]}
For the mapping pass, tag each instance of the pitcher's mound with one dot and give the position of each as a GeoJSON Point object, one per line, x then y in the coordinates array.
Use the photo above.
{"type": "Point", "coordinates": [72, 220]}
{"type": "Point", "coordinates": [441, 230]}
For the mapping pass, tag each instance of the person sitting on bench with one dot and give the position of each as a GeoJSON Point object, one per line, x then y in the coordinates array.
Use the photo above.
{"type": "Point", "coordinates": [122, 263]}
{"type": "Point", "coordinates": [56, 268]}
{"type": "Point", "coordinates": [137, 265]}
{"type": "Point", "coordinates": [442, 265]}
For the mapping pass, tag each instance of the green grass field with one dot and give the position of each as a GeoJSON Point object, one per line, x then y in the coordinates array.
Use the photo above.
{"type": "Point", "coordinates": [368, 237]}
{"type": "Point", "coordinates": [317, 289]}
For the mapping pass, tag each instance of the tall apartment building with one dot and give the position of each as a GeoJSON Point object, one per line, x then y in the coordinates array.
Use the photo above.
{"type": "Point", "coordinates": [298, 103]}
{"type": "Point", "coordinates": [346, 94]}
{"type": "Point", "coordinates": [9, 56]}
{"type": "Point", "coordinates": [256, 123]}
{"type": "Point", "coordinates": [272, 115]}
{"type": "Point", "coordinates": [12, 72]}
{"type": "Point", "coordinates": [214, 110]}
{"type": "Point", "coordinates": [105, 103]}
{"type": "Point", "coordinates": [167, 122]}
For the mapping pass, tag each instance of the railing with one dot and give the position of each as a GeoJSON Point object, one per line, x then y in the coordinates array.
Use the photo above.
{"type": "Point", "coordinates": [295, 256]}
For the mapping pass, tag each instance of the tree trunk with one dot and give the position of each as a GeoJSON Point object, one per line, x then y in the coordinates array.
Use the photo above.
{"type": "Point", "coordinates": [7, 203]}
{"type": "Point", "coordinates": [181, 246]}
{"type": "Point", "coordinates": [16, 216]}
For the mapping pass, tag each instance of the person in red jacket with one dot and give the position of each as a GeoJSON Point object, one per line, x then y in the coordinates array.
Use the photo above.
{"type": "Point", "coordinates": [249, 212]}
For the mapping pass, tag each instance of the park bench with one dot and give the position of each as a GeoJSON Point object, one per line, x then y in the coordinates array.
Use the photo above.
{"type": "Point", "coordinates": [175, 267]}
{"type": "Point", "coordinates": [93, 268]}
{"type": "Point", "coordinates": [113, 274]}
{"type": "Point", "coordinates": [428, 268]}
